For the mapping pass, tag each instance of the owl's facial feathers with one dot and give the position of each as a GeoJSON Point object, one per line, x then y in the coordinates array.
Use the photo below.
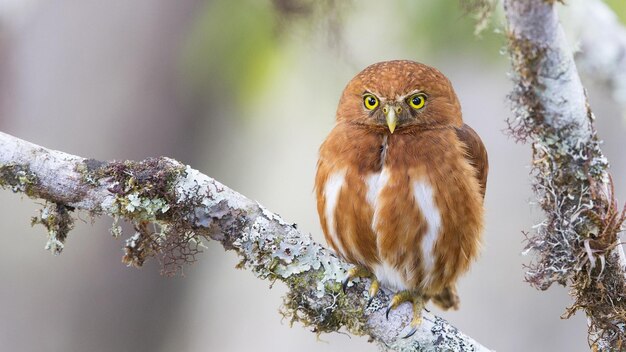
{"type": "Point", "coordinates": [399, 94]}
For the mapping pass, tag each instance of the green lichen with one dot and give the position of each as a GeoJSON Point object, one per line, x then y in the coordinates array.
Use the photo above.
{"type": "Point", "coordinates": [141, 208]}
{"type": "Point", "coordinates": [325, 314]}
{"type": "Point", "coordinates": [275, 250]}
{"type": "Point", "coordinates": [57, 220]}
{"type": "Point", "coordinates": [574, 244]}
{"type": "Point", "coordinates": [145, 196]}
{"type": "Point", "coordinates": [91, 170]}
{"type": "Point", "coordinates": [55, 217]}
{"type": "Point", "coordinates": [142, 189]}
{"type": "Point", "coordinates": [18, 178]}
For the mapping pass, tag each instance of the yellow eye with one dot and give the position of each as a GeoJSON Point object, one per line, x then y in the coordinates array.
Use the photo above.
{"type": "Point", "coordinates": [370, 101]}
{"type": "Point", "coordinates": [417, 101]}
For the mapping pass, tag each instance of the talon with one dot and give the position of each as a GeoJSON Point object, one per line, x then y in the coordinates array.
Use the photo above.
{"type": "Point", "coordinates": [358, 271]}
{"type": "Point", "coordinates": [373, 291]}
{"type": "Point", "coordinates": [417, 319]}
{"type": "Point", "coordinates": [418, 304]}
{"type": "Point", "coordinates": [411, 333]}
{"type": "Point", "coordinates": [397, 299]}
{"type": "Point", "coordinates": [352, 273]}
{"type": "Point", "coordinates": [344, 284]}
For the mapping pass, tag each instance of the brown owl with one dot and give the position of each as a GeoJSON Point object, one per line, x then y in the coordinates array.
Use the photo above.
{"type": "Point", "coordinates": [400, 184]}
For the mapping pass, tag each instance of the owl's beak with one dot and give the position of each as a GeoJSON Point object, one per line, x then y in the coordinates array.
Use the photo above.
{"type": "Point", "coordinates": [391, 117]}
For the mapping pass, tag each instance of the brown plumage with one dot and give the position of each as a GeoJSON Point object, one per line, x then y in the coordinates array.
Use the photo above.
{"type": "Point", "coordinates": [401, 180]}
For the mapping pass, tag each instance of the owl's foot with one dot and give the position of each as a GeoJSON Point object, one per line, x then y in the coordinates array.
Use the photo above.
{"type": "Point", "coordinates": [360, 271]}
{"type": "Point", "coordinates": [418, 302]}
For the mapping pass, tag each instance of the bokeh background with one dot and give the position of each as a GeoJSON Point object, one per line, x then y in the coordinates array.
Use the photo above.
{"type": "Point", "coordinates": [244, 91]}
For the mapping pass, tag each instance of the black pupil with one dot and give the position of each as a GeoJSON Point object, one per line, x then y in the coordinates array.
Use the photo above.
{"type": "Point", "coordinates": [417, 100]}
{"type": "Point", "coordinates": [371, 101]}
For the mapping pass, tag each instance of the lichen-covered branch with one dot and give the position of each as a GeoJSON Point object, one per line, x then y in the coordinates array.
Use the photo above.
{"type": "Point", "coordinates": [602, 45]}
{"type": "Point", "coordinates": [174, 208]}
{"type": "Point", "coordinates": [577, 244]}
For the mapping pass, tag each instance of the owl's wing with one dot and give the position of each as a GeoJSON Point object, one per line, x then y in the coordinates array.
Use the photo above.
{"type": "Point", "coordinates": [476, 154]}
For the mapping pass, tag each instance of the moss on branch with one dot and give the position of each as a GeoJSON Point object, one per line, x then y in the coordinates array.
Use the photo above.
{"type": "Point", "coordinates": [574, 244]}
{"type": "Point", "coordinates": [174, 209]}
{"type": "Point", "coordinates": [18, 178]}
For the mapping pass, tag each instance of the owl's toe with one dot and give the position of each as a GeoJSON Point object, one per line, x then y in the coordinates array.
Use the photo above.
{"type": "Point", "coordinates": [418, 302]}
{"type": "Point", "coordinates": [398, 299]}
{"type": "Point", "coordinates": [373, 291]}
{"type": "Point", "coordinates": [358, 272]}
{"type": "Point", "coordinates": [344, 284]}
{"type": "Point", "coordinates": [418, 305]}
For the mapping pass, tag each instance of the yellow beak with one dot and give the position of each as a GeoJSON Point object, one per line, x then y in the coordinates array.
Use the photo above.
{"type": "Point", "coordinates": [392, 119]}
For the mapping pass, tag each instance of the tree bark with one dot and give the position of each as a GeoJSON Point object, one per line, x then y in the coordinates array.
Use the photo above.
{"type": "Point", "coordinates": [578, 243]}
{"type": "Point", "coordinates": [187, 208]}
{"type": "Point", "coordinates": [602, 45]}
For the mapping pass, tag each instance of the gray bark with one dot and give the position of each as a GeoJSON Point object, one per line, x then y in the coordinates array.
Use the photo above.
{"type": "Point", "coordinates": [601, 45]}
{"type": "Point", "coordinates": [188, 207]}
{"type": "Point", "coordinates": [578, 242]}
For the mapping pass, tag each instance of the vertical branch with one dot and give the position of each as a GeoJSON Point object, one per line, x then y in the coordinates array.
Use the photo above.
{"type": "Point", "coordinates": [577, 244]}
{"type": "Point", "coordinates": [602, 41]}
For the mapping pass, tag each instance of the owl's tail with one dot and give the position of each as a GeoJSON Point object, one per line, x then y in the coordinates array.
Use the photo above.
{"type": "Point", "coordinates": [447, 298]}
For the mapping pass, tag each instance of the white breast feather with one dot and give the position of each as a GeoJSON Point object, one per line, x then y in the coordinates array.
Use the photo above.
{"type": "Point", "coordinates": [423, 194]}
{"type": "Point", "coordinates": [375, 183]}
{"type": "Point", "coordinates": [332, 188]}
{"type": "Point", "coordinates": [389, 276]}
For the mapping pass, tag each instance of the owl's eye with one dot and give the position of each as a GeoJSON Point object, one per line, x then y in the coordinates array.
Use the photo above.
{"type": "Point", "coordinates": [370, 101]}
{"type": "Point", "coordinates": [417, 101]}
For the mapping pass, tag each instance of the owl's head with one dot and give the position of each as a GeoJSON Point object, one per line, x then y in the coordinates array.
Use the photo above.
{"type": "Point", "coordinates": [397, 95]}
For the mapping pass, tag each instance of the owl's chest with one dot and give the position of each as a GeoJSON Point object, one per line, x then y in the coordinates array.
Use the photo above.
{"type": "Point", "coordinates": [406, 194]}
{"type": "Point", "coordinates": [406, 191]}
{"type": "Point", "coordinates": [398, 161]}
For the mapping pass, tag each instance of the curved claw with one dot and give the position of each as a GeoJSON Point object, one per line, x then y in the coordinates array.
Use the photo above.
{"type": "Point", "coordinates": [397, 299]}
{"type": "Point", "coordinates": [411, 333]}
{"type": "Point", "coordinates": [356, 272]}
{"type": "Point", "coordinates": [344, 284]}
{"type": "Point", "coordinates": [373, 291]}
{"type": "Point", "coordinates": [418, 305]}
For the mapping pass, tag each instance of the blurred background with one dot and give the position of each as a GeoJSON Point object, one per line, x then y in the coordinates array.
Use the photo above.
{"type": "Point", "coordinates": [245, 91]}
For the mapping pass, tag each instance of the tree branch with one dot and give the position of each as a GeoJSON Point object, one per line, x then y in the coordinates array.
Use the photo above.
{"type": "Point", "coordinates": [188, 207]}
{"type": "Point", "coordinates": [577, 243]}
{"type": "Point", "coordinates": [602, 41]}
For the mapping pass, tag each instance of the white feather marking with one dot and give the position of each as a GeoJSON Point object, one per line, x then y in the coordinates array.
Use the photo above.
{"type": "Point", "coordinates": [332, 188]}
{"type": "Point", "coordinates": [375, 183]}
{"type": "Point", "coordinates": [423, 194]}
{"type": "Point", "coordinates": [389, 277]}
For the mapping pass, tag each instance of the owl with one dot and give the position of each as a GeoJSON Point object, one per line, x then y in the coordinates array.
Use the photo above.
{"type": "Point", "coordinates": [400, 184]}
